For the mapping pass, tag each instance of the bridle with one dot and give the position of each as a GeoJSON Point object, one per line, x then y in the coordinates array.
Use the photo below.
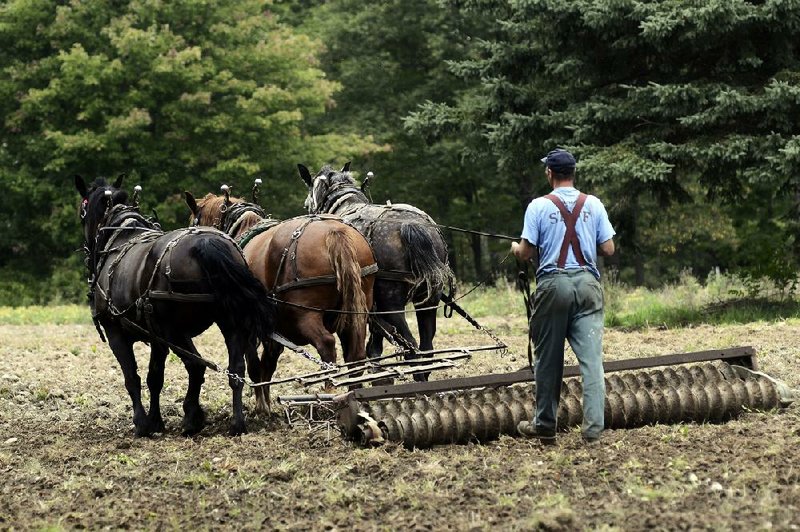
{"type": "Point", "coordinates": [230, 214]}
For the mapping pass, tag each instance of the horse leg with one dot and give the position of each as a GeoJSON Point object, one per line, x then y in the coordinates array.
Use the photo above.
{"type": "Point", "coordinates": [255, 372]}
{"type": "Point", "coordinates": [375, 342]}
{"type": "Point", "coordinates": [194, 419]}
{"type": "Point", "coordinates": [353, 348]}
{"type": "Point", "coordinates": [237, 344]}
{"type": "Point", "coordinates": [352, 339]}
{"type": "Point", "coordinates": [311, 327]}
{"type": "Point", "coordinates": [426, 324]}
{"type": "Point", "coordinates": [155, 383]}
{"type": "Point", "coordinates": [269, 362]}
{"type": "Point", "coordinates": [122, 347]}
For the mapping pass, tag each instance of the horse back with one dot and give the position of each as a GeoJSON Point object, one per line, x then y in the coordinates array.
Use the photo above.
{"type": "Point", "coordinates": [382, 226]}
{"type": "Point", "coordinates": [166, 264]}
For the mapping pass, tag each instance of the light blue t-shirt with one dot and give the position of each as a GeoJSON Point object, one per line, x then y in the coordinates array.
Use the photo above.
{"type": "Point", "coordinates": [545, 229]}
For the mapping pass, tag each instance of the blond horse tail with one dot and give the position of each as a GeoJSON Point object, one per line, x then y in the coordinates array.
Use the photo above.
{"type": "Point", "coordinates": [342, 253]}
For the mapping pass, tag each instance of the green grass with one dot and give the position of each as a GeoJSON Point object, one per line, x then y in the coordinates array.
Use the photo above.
{"type": "Point", "coordinates": [721, 300]}
{"type": "Point", "coordinates": [44, 315]}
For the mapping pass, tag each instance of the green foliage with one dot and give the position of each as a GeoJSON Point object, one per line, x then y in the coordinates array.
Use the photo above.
{"type": "Point", "coordinates": [659, 100]}
{"type": "Point", "coordinates": [182, 95]}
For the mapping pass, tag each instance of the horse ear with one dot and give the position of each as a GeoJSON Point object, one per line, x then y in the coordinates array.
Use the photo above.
{"type": "Point", "coordinates": [118, 182]}
{"type": "Point", "coordinates": [346, 167]}
{"type": "Point", "coordinates": [306, 175]}
{"type": "Point", "coordinates": [190, 201]}
{"type": "Point", "coordinates": [80, 184]}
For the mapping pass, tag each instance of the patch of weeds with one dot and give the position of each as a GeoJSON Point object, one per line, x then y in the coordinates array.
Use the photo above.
{"type": "Point", "coordinates": [41, 394]}
{"type": "Point", "coordinates": [637, 488]}
{"type": "Point", "coordinates": [5, 392]}
{"type": "Point", "coordinates": [340, 496]}
{"type": "Point", "coordinates": [172, 358]}
{"type": "Point", "coordinates": [633, 463]}
{"type": "Point", "coordinates": [75, 351]}
{"type": "Point", "coordinates": [559, 459]}
{"type": "Point", "coordinates": [284, 472]}
{"type": "Point", "coordinates": [198, 480]}
{"type": "Point", "coordinates": [81, 400]}
{"type": "Point", "coordinates": [678, 466]}
{"type": "Point", "coordinates": [508, 500]}
{"type": "Point", "coordinates": [124, 459]}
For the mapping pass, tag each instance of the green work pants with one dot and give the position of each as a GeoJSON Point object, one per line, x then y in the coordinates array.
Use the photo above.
{"type": "Point", "coordinates": [568, 305]}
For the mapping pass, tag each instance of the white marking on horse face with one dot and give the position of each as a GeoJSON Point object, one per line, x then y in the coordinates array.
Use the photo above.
{"type": "Point", "coordinates": [316, 194]}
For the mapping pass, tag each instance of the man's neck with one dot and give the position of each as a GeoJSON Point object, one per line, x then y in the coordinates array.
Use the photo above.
{"type": "Point", "coordinates": [563, 184]}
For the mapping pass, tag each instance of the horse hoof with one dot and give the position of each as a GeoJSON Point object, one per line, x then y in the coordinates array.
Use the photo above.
{"type": "Point", "coordinates": [194, 423]}
{"type": "Point", "coordinates": [237, 429]}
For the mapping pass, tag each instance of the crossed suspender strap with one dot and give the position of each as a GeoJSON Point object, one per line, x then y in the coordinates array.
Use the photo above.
{"type": "Point", "coordinates": [571, 236]}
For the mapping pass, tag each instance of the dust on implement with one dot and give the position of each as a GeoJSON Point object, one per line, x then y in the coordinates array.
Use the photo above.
{"type": "Point", "coordinates": [706, 386]}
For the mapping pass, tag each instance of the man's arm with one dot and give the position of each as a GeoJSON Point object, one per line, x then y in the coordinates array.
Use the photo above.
{"type": "Point", "coordinates": [523, 250]}
{"type": "Point", "coordinates": [606, 248]}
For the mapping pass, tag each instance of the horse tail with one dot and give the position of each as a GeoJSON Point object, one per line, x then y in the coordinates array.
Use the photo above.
{"type": "Point", "coordinates": [243, 300]}
{"type": "Point", "coordinates": [346, 267]}
{"type": "Point", "coordinates": [428, 269]}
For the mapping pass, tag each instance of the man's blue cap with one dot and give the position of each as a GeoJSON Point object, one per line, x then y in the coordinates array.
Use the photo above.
{"type": "Point", "coordinates": [560, 161]}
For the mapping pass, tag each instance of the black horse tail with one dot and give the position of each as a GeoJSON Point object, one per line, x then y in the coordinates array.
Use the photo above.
{"type": "Point", "coordinates": [428, 268]}
{"type": "Point", "coordinates": [242, 299]}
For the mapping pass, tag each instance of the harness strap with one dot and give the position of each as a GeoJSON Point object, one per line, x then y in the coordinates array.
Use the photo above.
{"type": "Point", "coordinates": [396, 275]}
{"type": "Point", "coordinates": [319, 280]}
{"type": "Point", "coordinates": [571, 236]}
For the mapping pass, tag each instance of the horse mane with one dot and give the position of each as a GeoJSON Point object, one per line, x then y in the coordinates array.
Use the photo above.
{"type": "Point", "coordinates": [336, 177]}
{"type": "Point", "coordinates": [248, 220]}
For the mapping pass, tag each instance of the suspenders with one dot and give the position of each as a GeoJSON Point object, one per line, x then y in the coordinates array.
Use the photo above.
{"type": "Point", "coordinates": [571, 236]}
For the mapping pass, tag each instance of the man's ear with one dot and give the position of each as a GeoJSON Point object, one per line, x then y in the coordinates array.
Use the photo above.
{"type": "Point", "coordinates": [346, 167]}
{"type": "Point", "coordinates": [81, 186]}
{"type": "Point", "coordinates": [191, 202]}
{"type": "Point", "coordinates": [305, 174]}
{"type": "Point", "coordinates": [118, 182]}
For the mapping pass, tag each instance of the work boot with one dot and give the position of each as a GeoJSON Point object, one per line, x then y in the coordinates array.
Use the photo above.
{"type": "Point", "coordinates": [590, 440]}
{"type": "Point", "coordinates": [526, 429]}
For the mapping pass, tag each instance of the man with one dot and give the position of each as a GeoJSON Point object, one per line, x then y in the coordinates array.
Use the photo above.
{"type": "Point", "coordinates": [569, 229]}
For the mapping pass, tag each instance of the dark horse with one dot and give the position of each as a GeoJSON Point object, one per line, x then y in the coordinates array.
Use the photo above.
{"type": "Point", "coordinates": [411, 254]}
{"type": "Point", "coordinates": [166, 288]}
{"type": "Point", "coordinates": [307, 263]}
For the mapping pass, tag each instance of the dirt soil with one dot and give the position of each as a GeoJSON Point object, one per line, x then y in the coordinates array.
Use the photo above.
{"type": "Point", "coordinates": [68, 457]}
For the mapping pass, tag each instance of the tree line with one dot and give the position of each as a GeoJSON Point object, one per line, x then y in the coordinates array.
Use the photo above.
{"type": "Point", "coordinates": [683, 116]}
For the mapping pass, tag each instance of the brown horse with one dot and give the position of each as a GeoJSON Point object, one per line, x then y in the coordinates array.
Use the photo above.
{"type": "Point", "coordinates": [311, 265]}
{"type": "Point", "coordinates": [165, 289]}
{"type": "Point", "coordinates": [411, 253]}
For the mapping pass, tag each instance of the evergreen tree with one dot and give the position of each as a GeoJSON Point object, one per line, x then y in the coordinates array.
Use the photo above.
{"type": "Point", "coordinates": [653, 97]}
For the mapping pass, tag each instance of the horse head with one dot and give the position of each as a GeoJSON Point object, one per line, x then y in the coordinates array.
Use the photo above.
{"type": "Point", "coordinates": [323, 184]}
{"type": "Point", "coordinates": [210, 209]}
{"type": "Point", "coordinates": [216, 211]}
{"type": "Point", "coordinates": [96, 200]}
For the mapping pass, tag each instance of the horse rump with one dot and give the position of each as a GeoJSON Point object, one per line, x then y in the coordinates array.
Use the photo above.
{"type": "Point", "coordinates": [428, 268]}
{"type": "Point", "coordinates": [242, 298]}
